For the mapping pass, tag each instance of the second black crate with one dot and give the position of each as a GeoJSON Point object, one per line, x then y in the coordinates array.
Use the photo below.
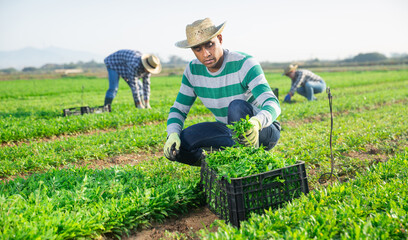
{"type": "Point", "coordinates": [85, 110]}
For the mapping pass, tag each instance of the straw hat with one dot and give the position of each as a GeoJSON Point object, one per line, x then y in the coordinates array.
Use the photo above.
{"type": "Point", "coordinates": [151, 63]}
{"type": "Point", "coordinates": [289, 69]}
{"type": "Point", "coordinates": [199, 32]}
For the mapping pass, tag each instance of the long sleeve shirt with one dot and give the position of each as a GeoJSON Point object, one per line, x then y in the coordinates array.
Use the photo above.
{"type": "Point", "coordinates": [240, 77]}
{"type": "Point", "coordinates": [128, 64]}
{"type": "Point", "coordinates": [301, 78]}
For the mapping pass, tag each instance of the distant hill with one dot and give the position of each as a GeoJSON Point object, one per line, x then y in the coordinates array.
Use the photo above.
{"type": "Point", "coordinates": [34, 57]}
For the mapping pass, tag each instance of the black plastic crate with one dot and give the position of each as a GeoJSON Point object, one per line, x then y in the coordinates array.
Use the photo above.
{"type": "Point", "coordinates": [235, 201]}
{"type": "Point", "coordinates": [85, 110]}
{"type": "Point", "coordinates": [101, 109]}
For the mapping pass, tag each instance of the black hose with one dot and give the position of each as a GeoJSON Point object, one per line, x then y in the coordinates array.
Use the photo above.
{"type": "Point", "coordinates": [323, 178]}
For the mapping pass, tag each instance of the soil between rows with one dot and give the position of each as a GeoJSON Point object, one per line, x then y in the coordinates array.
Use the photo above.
{"type": "Point", "coordinates": [186, 225]}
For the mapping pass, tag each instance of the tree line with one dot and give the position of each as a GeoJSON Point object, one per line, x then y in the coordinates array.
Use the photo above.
{"type": "Point", "coordinates": [178, 62]}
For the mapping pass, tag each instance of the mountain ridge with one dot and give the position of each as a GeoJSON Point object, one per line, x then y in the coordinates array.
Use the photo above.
{"type": "Point", "coordinates": [37, 57]}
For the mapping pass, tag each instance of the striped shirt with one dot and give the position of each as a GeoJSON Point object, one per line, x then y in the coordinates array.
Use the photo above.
{"type": "Point", "coordinates": [301, 78]}
{"type": "Point", "coordinates": [128, 64]}
{"type": "Point", "coordinates": [240, 77]}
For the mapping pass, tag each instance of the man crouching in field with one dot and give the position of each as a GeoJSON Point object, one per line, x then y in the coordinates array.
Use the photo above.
{"type": "Point", "coordinates": [231, 85]}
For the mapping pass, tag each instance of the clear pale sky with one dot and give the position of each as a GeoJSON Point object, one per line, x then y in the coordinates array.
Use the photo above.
{"type": "Point", "coordinates": [270, 30]}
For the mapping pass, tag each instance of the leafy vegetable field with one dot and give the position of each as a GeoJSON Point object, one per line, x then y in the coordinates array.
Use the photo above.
{"type": "Point", "coordinates": [46, 193]}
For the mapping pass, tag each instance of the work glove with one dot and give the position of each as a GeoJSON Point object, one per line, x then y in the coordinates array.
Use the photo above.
{"type": "Point", "coordinates": [287, 98]}
{"type": "Point", "coordinates": [172, 146]}
{"type": "Point", "coordinates": [251, 137]}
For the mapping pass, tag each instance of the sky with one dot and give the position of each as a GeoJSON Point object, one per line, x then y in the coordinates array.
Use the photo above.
{"type": "Point", "coordinates": [269, 30]}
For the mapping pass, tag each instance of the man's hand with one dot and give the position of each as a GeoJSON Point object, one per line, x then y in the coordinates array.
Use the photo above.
{"type": "Point", "coordinates": [251, 137]}
{"type": "Point", "coordinates": [172, 146]}
{"type": "Point", "coordinates": [287, 98]}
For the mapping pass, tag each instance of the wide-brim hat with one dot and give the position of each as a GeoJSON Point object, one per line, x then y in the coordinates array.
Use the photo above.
{"type": "Point", "coordinates": [290, 68]}
{"type": "Point", "coordinates": [199, 32]}
{"type": "Point", "coordinates": [151, 63]}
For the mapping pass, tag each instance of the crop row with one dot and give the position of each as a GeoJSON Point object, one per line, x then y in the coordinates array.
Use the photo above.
{"type": "Point", "coordinates": [37, 112]}
{"type": "Point", "coordinates": [60, 88]}
{"type": "Point", "coordinates": [85, 203]}
{"type": "Point", "coordinates": [307, 142]}
{"type": "Point", "coordinates": [27, 128]}
{"type": "Point", "coordinates": [346, 99]}
{"type": "Point", "coordinates": [33, 109]}
{"type": "Point", "coordinates": [16, 129]}
{"type": "Point", "coordinates": [355, 131]}
{"type": "Point", "coordinates": [351, 131]}
{"type": "Point", "coordinates": [74, 203]}
{"type": "Point", "coordinates": [40, 156]}
{"type": "Point", "coordinates": [374, 206]}
{"type": "Point", "coordinates": [44, 155]}
{"type": "Point", "coordinates": [81, 85]}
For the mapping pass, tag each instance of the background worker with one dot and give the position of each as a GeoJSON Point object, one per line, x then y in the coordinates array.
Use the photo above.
{"type": "Point", "coordinates": [304, 82]}
{"type": "Point", "coordinates": [131, 66]}
{"type": "Point", "coordinates": [231, 85]}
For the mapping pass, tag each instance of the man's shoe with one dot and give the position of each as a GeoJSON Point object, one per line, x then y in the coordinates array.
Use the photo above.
{"type": "Point", "coordinates": [108, 101]}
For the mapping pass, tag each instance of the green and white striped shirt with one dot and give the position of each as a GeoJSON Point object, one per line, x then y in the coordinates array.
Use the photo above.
{"type": "Point", "coordinates": [240, 77]}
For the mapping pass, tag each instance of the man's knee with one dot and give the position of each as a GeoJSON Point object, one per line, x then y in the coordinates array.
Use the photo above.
{"type": "Point", "coordinates": [185, 140]}
{"type": "Point", "coordinates": [238, 109]}
{"type": "Point", "coordinates": [271, 136]}
{"type": "Point", "coordinates": [236, 105]}
{"type": "Point", "coordinates": [301, 91]}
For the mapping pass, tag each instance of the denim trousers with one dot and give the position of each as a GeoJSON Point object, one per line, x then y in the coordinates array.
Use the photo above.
{"type": "Point", "coordinates": [216, 135]}
{"type": "Point", "coordinates": [135, 85]}
{"type": "Point", "coordinates": [311, 88]}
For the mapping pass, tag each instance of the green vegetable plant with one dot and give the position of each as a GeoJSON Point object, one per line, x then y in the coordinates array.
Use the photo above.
{"type": "Point", "coordinates": [234, 162]}
{"type": "Point", "coordinates": [240, 128]}
{"type": "Point", "coordinates": [83, 203]}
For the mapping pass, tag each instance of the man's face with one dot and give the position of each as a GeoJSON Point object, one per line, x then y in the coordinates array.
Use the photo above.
{"type": "Point", "coordinates": [210, 53]}
{"type": "Point", "coordinates": [291, 75]}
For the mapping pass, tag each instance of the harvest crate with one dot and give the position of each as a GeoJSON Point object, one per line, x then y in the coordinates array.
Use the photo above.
{"type": "Point", "coordinates": [101, 109]}
{"type": "Point", "coordinates": [86, 110]}
{"type": "Point", "coordinates": [276, 92]}
{"type": "Point", "coordinates": [235, 201]}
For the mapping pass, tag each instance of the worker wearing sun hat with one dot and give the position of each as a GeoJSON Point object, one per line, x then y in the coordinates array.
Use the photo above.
{"type": "Point", "coordinates": [232, 86]}
{"type": "Point", "coordinates": [132, 66]}
{"type": "Point", "coordinates": [304, 82]}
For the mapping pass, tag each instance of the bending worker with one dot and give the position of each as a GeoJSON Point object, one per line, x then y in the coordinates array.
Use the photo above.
{"type": "Point", "coordinates": [131, 66]}
{"type": "Point", "coordinates": [231, 85]}
{"type": "Point", "coordinates": [304, 82]}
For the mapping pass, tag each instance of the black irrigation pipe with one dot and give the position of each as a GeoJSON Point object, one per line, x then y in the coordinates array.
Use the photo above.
{"type": "Point", "coordinates": [323, 179]}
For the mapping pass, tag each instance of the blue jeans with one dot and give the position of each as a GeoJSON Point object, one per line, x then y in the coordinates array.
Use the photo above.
{"type": "Point", "coordinates": [114, 85]}
{"type": "Point", "coordinates": [311, 88]}
{"type": "Point", "coordinates": [216, 135]}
